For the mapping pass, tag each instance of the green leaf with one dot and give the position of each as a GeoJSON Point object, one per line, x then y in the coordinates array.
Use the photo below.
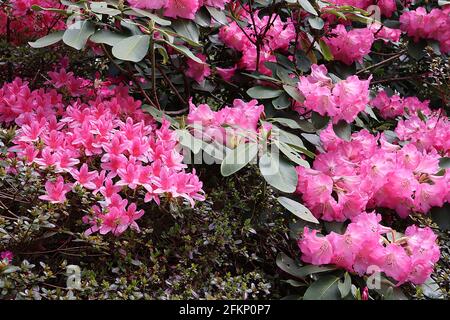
{"type": "Point", "coordinates": [9, 269]}
{"type": "Point", "coordinates": [431, 289]}
{"type": "Point", "coordinates": [291, 154]}
{"type": "Point", "coordinates": [48, 40]}
{"type": "Point", "coordinates": [189, 141]}
{"type": "Point", "coordinates": [302, 61]}
{"type": "Point", "coordinates": [184, 50]}
{"type": "Point", "coordinates": [294, 93]}
{"type": "Point", "coordinates": [102, 8]}
{"type": "Point", "coordinates": [287, 122]}
{"type": "Point", "coordinates": [343, 130]}
{"type": "Point", "coordinates": [238, 158]}
{"type": "Point", "coordinates": [319, 121]}
{"type": "Point", "coordinates": [154, 17]}
{"type": "Point", "coordinates": [298, 209]}
{"type": "Point", "coordinates": [325, 50]}
{"type": "Point", "coordinates": [345, 286]}
{"type": "Point", "coordinates": [218, 15]}
{"type": "Point", "coordinates": [133, 48]}
{"type": "Point", "coordinates": [187, 29]}
{"type": "Point", "coordinates": [278, 173]}
{"type": "Point", "coordinates": [444, 163]}
{"type": "Point", "coordinates": [260, 92]}
{"type": "Point", "coordinates": [441, 216]}
{"type": "Point", "coordinates": [325, 288]}
{"type": "Point", "coordinates": [282, 102]}
{"type": "Point", "coordinates": [107, 37]}
{"type": "Point", "coordinates": [307, 6]}
{"type": "Point", "coordinates": [289, 266]}
{"type": "Point", "coordinates": [316, 23]}
{"type": "Point", "coordinates": [159, 115]}
{"type": "Point", "coordinates": [78, 33]}
{"type": "Point", "coordinates": [417, 49]}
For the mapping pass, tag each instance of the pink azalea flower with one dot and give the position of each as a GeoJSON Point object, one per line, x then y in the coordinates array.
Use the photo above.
{"type": "Point", "coordinates": [84, 177]}
{"type": "Point", "coordinates": [56, 191]}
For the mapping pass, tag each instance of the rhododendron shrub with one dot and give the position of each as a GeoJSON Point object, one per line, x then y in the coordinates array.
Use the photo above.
{"type": "Point", "coordinates": [338, 108]}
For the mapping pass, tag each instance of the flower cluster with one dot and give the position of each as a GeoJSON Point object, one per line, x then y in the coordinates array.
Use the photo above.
{"type": "Point", "coordinates": [349, 46]}
{"type": "Point", "coordinates": [105, 144]}
{"type": "Point", "coordinates": [178, 8]}
{"type": "Point", "coordinates": [24, 23]}
{"type": "Point", "coordinates": [368, 172]}
{"type": "Point", "coordinates": [393, 106]}
{"type": "Point", "coordinates": [230, 125]}
{"type": "Point", "coordinates": [364, 249]}
{"type": "Point", "coordinates": [431, 134]}
{"type": "Point", "coordinates": [422, 25]}
{"type": "Point", "coordinates": [277, 36]}
{"type": "Point", "coordinates": [342, 100]}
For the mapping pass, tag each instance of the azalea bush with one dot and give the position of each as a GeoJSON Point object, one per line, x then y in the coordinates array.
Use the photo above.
{"type": "Point", "coordinates": [147, 119]}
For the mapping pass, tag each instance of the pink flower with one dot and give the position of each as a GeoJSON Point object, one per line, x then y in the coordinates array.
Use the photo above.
{"type": "Point", "coordinates": [349, 46]}
{"type": "Point", "coordinates": [148, 4]}
{"type": "Point", "coordinates": [396, 264]}
{"type": "Point", "coordinates": [181, 8]}
{"type": "Point", "coordinates": [56, 191]}
{"type": "Point", "coordinates": [6, 255]}
{"type": "Point", "coordinates": [315, 250]}
{"type": "Point", "coordinates": [198, 71]}
{"type": "Point", "coordinates": [84, 177]}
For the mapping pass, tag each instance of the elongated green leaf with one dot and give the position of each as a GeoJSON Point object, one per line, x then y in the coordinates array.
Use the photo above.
{"type": "Point", "coordinates": [289, 266]}
{"type": "Point", "coordinates": [278, 172]}
{"type": "Point", "coordinates": [184, 50]}
{"type": "Point", "coordinates": [218, 15]}
{"type": "Point", "coordinates": [189, 141]}
{"type": "Point", "coordinates": [154, 17]}
{"type": "Point", "coordinates": [133, 48]}
{"type": "Point", "coordinates": [325, 50]}
{"type": "Point", "coordinates": [325, 288]}
{"type": "Point", "coordinates": [78, 33]}
{"type": "Point", "coordinates": [305, 4]}
{"type": "Point", "coordinates": [186, 28]}
{"type": "Point", "coordinates": [102, 8]}
{"type": "Point", "coordinates": [260, 92]}
{"type": "Point", "coordinates": [281, 102]}
{"type": "Point", "coordinates": [107, 37]}
{"type": "Point", "coordinates": [345, 286]}
{"type": "Point", "coordinates": [48, 40]}
{"type": "Point", "coordinates": [291, 154]}
{"type": "Point", "coordinates": [298, 209]}
{"type": "Point", "coordinates": [294, 93]}
{"type": "Point", "coordinates": [444, 163]}
{"type": "Point", "coordinates": [238, 158]}
{"type": "Point", "coordinates": [316, 22]}
{"type": "Point", "coordinates": [160, 115]}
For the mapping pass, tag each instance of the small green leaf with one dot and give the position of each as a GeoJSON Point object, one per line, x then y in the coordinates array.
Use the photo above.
{"type": "Point", "coordinates": [289, 266]}
{"type": "Point", "coordinates": [441, 216]}
{"type": "Point", "coordinates": [187, 28]}
{"type": "Point", "coordinates": [325, 50]}
{"type": "Point", "coordinates": [260, 92]}
{"type": "Point", "coordinates": [316, 23]}
{"type": "Point", "coordinates": [298, 209]}
{"type": "Point", "coordinates": [238, 158]}
{"type": "Point", "coordinates": [444, 163]}
{"type": "Point", "coordinates": [48, 40]}
{"type": "Point", "coordinates": [282, 102]}
{"type": "Point", "coordinates": [218, 15]}
{"type": "Point", "coordinates": [343, 130]}
{"type": "Point", "coordinates": [184, 50]}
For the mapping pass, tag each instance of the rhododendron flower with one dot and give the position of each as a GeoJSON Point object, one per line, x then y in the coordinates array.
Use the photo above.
{"type": "Point", "coordinates": [349, 46]}
{"type": "Point", "coordinates": [316, 250]}
{"type": "Point", "coordinates": [342, 101]}
{"type": "Point", "coordinates": [56, 191]}
{"type": "Point", "coordinates": [198, 71]}
{"type": "Point", "coordinates": [181, 8]}
{"type": "Point", "coordinates": [148, 4]}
